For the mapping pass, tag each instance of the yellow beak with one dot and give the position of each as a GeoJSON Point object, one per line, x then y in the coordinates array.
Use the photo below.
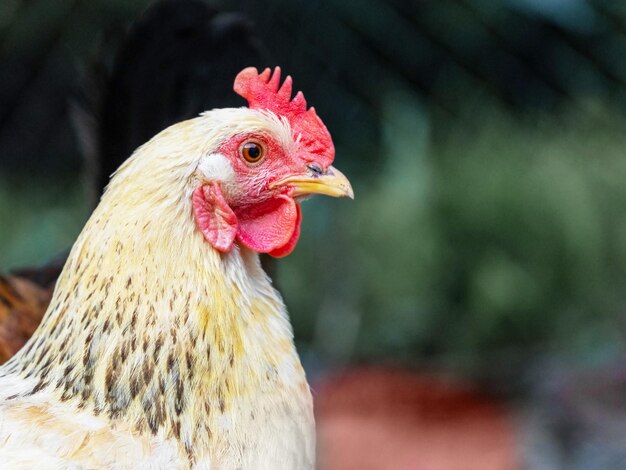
{"type": "Point", "coordinates": [331, 183]}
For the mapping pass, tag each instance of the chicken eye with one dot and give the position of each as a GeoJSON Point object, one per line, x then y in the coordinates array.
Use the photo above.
{"type": "Point", "coordinates": [252, 151]}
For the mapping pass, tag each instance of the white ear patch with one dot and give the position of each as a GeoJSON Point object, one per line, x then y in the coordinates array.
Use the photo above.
{"type": "Point", "coordinates": [216, 167]}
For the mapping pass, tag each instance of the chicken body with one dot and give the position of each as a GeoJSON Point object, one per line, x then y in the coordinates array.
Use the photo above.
{"type": "Point", "coordinates": [157, 350]}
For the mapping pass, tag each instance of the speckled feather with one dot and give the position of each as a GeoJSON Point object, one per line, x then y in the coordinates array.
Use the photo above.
{"type": "Point", "coordinates": [157, 351]}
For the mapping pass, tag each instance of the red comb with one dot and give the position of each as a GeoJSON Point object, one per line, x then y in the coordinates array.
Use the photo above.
{"type": "Point", "coordinates": [263, 92]}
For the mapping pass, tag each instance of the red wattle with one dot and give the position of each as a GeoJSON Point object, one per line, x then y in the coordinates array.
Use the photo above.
{"type": "Point", "coordinates": [271, 226]}
{"type": "Point", "coordinates": [291, 244]}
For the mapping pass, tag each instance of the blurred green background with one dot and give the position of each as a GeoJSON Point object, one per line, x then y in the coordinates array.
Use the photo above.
{"type": "Point", "coordinates": [485, 142]}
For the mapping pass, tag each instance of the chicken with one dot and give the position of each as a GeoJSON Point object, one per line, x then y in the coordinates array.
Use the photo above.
{"type": "Point", "coordinates": [165, 344]}
{"type": "Point", "coordinates": [198, 39]}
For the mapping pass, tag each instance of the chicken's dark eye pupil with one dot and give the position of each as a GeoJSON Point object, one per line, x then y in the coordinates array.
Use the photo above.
{"type": "Point", "coordinates": [254, 151]}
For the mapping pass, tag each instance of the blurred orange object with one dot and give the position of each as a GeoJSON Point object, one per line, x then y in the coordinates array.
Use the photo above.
{"type": "Point", "coordinates": [22, 305]}
{"type": "Point", "coordinates": [379, 418]}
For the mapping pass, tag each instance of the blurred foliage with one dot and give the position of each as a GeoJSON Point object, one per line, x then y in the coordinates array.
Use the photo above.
{"type": "Point", "coordinates": [496, 241]}
{"type": "Point", "coordinates": [41, 217]}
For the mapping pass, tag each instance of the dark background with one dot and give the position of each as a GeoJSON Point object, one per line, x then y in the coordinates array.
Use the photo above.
{"type": "Point", "coordinates": [486, 146]}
